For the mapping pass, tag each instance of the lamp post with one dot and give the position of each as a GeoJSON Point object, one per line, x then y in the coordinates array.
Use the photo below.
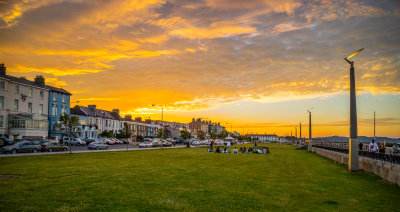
{"type": "Point", "coordinates": [353, 142]}
{"type": "Point", "coordinates": [309, 134]}
{"type": "Point", "coordinates": [162, 122]}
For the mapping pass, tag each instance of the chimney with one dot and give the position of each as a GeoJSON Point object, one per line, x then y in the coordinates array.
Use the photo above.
{"type": "Point", "coordinates": [129, 117]}
{"type": "Point", "coordinates": [23, 78]}
{"type": "Point", "coordinates": [93, 107]}
{"type": "Point", "coordinates": [2, 69]}
{"type": "Point", "coordinates": [116, 111]}
{"type": "Point", "coordinates": [39, 80]}
{"type": "Point", "coordinates": [138, 119]}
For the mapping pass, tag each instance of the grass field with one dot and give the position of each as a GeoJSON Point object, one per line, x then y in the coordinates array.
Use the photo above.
{"type": "Point", "coordinates": [190, 179]}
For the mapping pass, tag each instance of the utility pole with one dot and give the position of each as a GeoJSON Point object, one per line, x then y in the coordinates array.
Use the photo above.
{"type": "Point", "coordinates": [374, 125]}
{"type": "Point", "coordinates": [353, 142]}
{"type": "Point", "coordinates": [309, 140]}
{"type": "Point", "coordinates": [300, 133]}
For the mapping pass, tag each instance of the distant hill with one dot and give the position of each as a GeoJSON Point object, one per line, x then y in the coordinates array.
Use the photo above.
{"type": "Point", "coordinates": [363, 139]}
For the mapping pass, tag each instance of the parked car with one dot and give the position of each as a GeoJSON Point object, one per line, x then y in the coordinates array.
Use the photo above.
{"type": "Point", "coordinates": [90, 140]}
{"type": "Point", "coordinates": [156, 143]}
{"type": "Point", "coordinates": [75, 141]}
{"type": "Point", "coordinates": [97, 145]}
{"type": "Point", "coordinates": [53, 146]}
{"type": "Point", "coordinates": [166, 143]}
{"type": "Point", "coordinates": [108, 141]}
{"type": "Point", "coordinates": [145, 144]}
{"type": "Point", "coordinates": [6, 141]}
{"type": "Point", "coordinates": [25, 146]}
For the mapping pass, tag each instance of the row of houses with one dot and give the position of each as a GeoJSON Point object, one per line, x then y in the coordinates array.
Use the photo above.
{"type": "Point", "coordinates": [32, 110]}
{"type": "Point", "coordinates": [93, 121]}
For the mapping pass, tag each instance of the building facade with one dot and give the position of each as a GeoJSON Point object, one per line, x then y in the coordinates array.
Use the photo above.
{"type": "Point", "coordinates": [23, 107]}
{"type": "Point", "coordinates": [59, 103]}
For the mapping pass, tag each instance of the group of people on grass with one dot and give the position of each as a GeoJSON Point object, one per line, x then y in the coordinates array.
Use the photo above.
{"type": "Point", "coordinates": [227, 149]}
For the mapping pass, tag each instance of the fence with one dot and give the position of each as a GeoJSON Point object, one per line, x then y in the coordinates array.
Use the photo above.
{"type": "Point", "coordinates": [343, 148]}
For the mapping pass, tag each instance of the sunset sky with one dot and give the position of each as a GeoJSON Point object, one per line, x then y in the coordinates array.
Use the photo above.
{"type": "Point", "coordinates": [256, 65]}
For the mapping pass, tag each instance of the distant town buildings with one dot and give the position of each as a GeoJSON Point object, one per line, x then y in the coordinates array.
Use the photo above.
{"type": "Point", "coordinates": [207, 127]}
{"type": "Point", "coordinates": [264, 137]}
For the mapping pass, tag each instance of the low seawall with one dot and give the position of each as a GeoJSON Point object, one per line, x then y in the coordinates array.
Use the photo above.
{"type": "Point", "coordinates": [385, 170]}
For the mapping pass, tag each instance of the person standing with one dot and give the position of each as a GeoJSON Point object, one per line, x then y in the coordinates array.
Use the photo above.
{"type": "Point", "coordinates": [255, 145]}
{"type": "Point", "coordinates": [212, 144]}
{"type": "Point", "coordinates": [372, 146]}
{"type": "Point", "coordinates": [360, 146]}
{"type": "Point", "coordinates": [228, 145]}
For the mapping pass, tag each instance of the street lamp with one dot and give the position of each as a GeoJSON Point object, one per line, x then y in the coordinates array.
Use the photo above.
{"type": "Point", "coordinates": [353, 142]}
{"type": "Point", "coordinates": [309, 134]}
{"type": "Point", "coordinates": [162, 119]}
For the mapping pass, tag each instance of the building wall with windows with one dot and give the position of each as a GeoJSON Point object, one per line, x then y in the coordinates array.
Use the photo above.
{"type": "Point", "coordinates": [23, 107]}
{"type": "Point", "coordinates": [59, 103]}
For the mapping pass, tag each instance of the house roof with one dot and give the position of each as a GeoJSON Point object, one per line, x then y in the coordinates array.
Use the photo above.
{"type": "Point", "coordinates": [34, 84]}
{"type": "Point", "coordinates": [86, 111]}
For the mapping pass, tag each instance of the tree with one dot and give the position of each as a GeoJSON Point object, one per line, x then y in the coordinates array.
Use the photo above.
{"type": "Point", "coordinates": [213, 135]}
{"type": "Point", "coordinates": [125, 132]}
{"type": "Point", "coordinates": [107, 133]}
{"type": "Point", "coordinates": [223, 135]}
{"type": "Point", "coordinates": [201, 135]}
{"type": "Point", "coordinates": [68, 123]}
{"type": "Point", "coordinates": [185, 134]}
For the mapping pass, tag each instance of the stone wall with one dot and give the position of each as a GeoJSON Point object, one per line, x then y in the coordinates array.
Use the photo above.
{"type": "Point", "coordinates": [385, 170]}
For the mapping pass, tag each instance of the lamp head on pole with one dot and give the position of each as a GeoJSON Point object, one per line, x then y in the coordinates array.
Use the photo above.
{"type": "Point", "coordinates": [352, 55]}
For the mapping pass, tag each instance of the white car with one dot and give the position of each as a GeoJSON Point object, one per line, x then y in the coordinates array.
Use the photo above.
{"type": "Point", "coordinates": [145, 145]}
{"type": "Point", "coordinates": [75, 141]}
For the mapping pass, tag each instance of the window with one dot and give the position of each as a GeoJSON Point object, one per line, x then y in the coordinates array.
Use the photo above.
{"type": "Point", "coordinates": [17, 89]}
{"type": "Point", "coordinates": [63, 98]}
{"type": "Point", "coordinates": [3, 85]}
{"type": "Point", "coordinates": [41, 95]}
{"type": "Point", "coordinates": [16, 104]}
{"type": "Point", "coordinates": [54, 110]}
{"type": "Point", "coordinates": [1, 101]}
{"type": "Point", "coordinates": [30, 92]}
{"type": "Point", "coordinates": [29, 107]}
{"type": "Point", "coordinates": [54, 97]}
{"type": "Point", "coordinates": [41, 109]}
{"type": "Point", "coordinates": [1, 121]}
{"type": "Point", "coordinates": [63, 109]}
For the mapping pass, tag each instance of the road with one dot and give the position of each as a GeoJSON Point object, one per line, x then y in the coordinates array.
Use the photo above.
{"type": "Point", "coordinates": [84, 149]}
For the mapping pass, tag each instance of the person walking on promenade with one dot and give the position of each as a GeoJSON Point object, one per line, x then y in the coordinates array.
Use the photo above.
{"type": "Point", "coordinates": [372, 146]}
{"type": "Point", "coordinates": [395, 148]}
{"type": "Point", "coordinates": [360, 146]}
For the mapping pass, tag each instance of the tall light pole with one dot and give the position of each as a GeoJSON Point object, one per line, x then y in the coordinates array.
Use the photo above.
{"type": "Point", "coordinates": [374, 125]}
{"type": "Point", "coordinates": [300, 134]}
{"type": "Point", "coordinates": [353, 142]}
{"type": "Point", "coordinates": [162, 120]}
{"type": "Point", "coordinates": [309, 135]}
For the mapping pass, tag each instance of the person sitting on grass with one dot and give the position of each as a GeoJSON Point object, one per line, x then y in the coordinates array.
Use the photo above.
{"type": "Point", "coordinates": [225, 150]}
{"type": "Point", "coordinates": [217, 150]}
{"type": "Point", "coordinates": [209, 149]}
{"type": "Point", "coordinates": [250, 150]}
{"type": "Point", "coordinates": [244, 150]}
{"type": "Point", "coordinates": [241, 149]}
{"type": "Point", "coordinates": [235, 151]}
{"type": "Point", "coordinates": [259, 151]}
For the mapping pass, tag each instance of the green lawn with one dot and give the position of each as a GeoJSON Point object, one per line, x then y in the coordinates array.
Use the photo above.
{"type": "Point", "coordinates": [190, 179]}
